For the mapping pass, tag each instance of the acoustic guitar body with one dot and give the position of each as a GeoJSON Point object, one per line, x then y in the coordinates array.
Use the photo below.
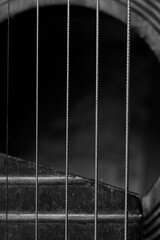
{"type": "Point", "coordinates": [20, 220]}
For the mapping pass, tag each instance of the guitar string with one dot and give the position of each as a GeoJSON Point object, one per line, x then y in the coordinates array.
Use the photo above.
{"type": "Point", "coordinates": [7, 117]}
{"type": "Point", "coordinates": [67, 119]}
{"type": "Point", "coordinates": [127, 117]}
{"type": "Point", "coordinates": [67, 115]}
{"type": "Point", "coordinates": [96, 119]}
{"type": "Point", "coordinates": [37, 117]}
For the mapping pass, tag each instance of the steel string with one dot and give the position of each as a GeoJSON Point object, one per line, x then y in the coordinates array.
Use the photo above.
{"type": "Point", "coordinates": [127, 118]}
{"type": "Point", "coordinates": [37, 117]}
{"type": "Point", "coordinates": [67, 119]}
{"type": "Point", "coordinates": [96, 120]}
{"type": "Point", "coordinates": [7, 116]}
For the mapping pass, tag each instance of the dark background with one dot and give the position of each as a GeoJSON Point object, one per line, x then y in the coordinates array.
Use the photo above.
{"type": "Point", "coordinates": [144, 95]}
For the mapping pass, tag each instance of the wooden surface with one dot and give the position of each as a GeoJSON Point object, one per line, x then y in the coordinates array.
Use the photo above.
{"type": "Point", "coordinates": [151, 212]}
{"type": "Point", "coordinates": [51, 204]}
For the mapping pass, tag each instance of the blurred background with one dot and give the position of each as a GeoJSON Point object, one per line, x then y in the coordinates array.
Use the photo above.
{"type": "Point", "coordinates": [144, 96]}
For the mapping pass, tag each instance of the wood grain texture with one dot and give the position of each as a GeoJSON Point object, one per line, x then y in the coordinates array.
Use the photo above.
{"type": "Point", "coordinates": [151, 212]}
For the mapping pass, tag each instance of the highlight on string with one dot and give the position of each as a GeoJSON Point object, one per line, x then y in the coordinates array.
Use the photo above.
{"type": "Point", "coordinates": [67, 119]}
{"type": "Point", "coordinates": [127, 118]}
{"type": "Point", "coordinates": [7, 117]}
{"type": "Point", "coordinates": [96, 121]}
{"type": "Point", "coordinates": [37, 117]}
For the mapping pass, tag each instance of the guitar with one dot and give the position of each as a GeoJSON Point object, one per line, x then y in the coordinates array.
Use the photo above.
{"type": "Point", "coordinates": [48, 215]}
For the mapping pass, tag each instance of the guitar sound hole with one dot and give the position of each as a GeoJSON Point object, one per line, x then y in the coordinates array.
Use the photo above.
{"type": "Point", "coordinates": [144, 118]}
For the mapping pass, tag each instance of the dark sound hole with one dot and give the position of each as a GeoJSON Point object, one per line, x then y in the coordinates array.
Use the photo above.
{"type": "Point", "coordinates": [144, 117]}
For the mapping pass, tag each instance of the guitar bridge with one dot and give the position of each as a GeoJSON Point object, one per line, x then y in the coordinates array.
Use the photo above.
{"type": "Point", "coordinates": [20, 215]}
